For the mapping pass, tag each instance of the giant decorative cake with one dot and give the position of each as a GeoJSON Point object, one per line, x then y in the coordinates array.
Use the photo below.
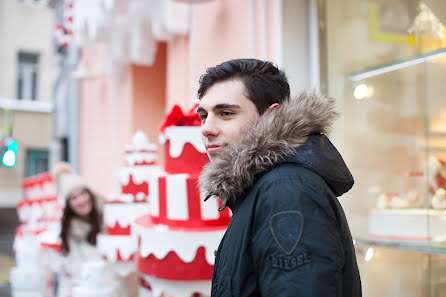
{"type": "Point", "coordinates": [178, 236]}
{"type": "Point", "coordinates": [116, 244]}
{"type": "Point", "coordinates": [401, 216]}
{"type": "Point", "coordinates": [39, 211]}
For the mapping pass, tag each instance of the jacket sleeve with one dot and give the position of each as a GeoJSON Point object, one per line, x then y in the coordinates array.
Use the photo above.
{"type": "Point", "coordinates": [296, 242]}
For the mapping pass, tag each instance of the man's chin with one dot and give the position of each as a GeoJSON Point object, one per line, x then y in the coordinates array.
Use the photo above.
{"type": "Point", "coordinates": [213, 156]}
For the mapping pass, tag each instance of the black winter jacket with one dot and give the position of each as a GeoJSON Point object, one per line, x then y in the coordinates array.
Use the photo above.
{"type": "Point", "coordinates": [288, 235]}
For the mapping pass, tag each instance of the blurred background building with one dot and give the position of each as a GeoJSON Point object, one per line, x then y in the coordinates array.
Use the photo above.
{"type": "Point", "coordinates": [27, 73]}
{"type": "Point", "coordinates": [139, 58]}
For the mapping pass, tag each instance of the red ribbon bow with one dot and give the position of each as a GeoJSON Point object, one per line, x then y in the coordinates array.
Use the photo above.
{"type": "Point", "coordinates": [176, 117]}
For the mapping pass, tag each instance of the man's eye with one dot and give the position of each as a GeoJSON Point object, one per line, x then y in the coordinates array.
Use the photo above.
{"type": "Point", "coordinates": [202, 116]}
{"type": "Point", "coordinates": [226, 113]}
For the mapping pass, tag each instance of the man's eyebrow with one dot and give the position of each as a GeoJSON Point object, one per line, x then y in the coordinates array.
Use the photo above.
{"type": "Point", "coordinates": [219, 106]}
{"type": "Point", "coordinates": [224, 105]}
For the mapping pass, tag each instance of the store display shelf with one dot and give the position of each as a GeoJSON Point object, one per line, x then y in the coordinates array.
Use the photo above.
{"type": "Point", "coordinates": [433, 149]}
{"type": "Point", "coordinates": [437, 134]}
{"type": "Point", "coordinates": [437, 248]}
{"type": "Point", "coordinates": [395, 65]}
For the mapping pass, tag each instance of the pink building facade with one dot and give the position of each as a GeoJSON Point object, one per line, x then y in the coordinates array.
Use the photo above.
{"type": "Point", "coordinates": [139, 58]}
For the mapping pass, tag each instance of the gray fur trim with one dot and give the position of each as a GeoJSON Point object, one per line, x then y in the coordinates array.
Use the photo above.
{"type": "Point", "coordinates": [276, 135]}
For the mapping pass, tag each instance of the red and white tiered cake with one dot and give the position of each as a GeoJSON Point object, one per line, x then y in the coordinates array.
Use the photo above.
{"type": "Point", "coordinates": [117, 245]}
{"type": "Point", "coordinates": [39, 212]}
{"type": "Point", "coordinates": [40, 208]}
{"type": "Point", "coordinates": [178, 236]}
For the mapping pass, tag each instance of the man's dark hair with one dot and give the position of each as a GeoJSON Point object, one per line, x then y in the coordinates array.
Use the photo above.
{"type": "Point", "coordinates": [264, 83]}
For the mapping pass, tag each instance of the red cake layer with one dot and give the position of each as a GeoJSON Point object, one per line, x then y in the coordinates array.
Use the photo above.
{"type": "Point", "coordinates": [133, 188]}
{"type": "Point", "coordinates": [173, 268]}
{"type": "Point", "coordinates": [190, 161]}
{"type": "Point", "coordinates": [118, 230]}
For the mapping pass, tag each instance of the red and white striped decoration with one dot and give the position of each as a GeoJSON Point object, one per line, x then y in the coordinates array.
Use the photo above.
{"type": "Point", "coordinates": [177, 203]}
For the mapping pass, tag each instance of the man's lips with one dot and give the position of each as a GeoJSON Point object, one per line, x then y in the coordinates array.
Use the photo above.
{"type": "Point", "coordinates": [212, 149]}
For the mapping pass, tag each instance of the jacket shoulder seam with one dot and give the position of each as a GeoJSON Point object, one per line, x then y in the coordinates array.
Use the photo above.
{"type": "Point", "coordinates": [268, 180]}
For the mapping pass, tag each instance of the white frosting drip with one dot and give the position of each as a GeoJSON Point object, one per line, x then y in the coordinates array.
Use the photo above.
{"type": "Point", "coordinates": [38, 190]}
{"type": "Point", "coordinates": [109, 245]}
{"type": "Point", "coordinates": [124, 213]}
{"type": "Point", "coordinates": [140, 157]}
{"type": "Point", "coordinates": [184, 244]}
{"type": "Point", "coordinates": [140, 196]}
{"type": "Point", "coordinates": [126, 198]}
{"type": "Point", "coordinates": [46, 210]}
{"type": "Point", "coordinates": [174, 288]}
{"type": "Point", "coordinates": [139, 174]}
{"type": "Point", "coordinates": [179, 136]}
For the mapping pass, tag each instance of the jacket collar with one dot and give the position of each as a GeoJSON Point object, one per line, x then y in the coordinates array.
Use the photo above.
{"type": "Point", "coordinates": [271, 141]}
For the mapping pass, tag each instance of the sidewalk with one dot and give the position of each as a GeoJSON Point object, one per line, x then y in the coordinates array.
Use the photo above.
{"type": "Point", "coordinates": [6, 260]}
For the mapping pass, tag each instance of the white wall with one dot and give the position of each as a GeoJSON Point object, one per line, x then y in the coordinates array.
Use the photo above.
{"type": "Point", "coordinates": [295, 44]}
{"type": "Point", "coordinates": [27, 28]}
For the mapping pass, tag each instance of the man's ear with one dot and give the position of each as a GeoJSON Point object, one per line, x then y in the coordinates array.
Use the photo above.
{"type": "Point", "coordinates": [272, 107]}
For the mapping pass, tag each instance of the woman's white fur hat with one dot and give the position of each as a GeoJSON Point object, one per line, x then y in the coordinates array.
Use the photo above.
{"type": "Point", "coordinates": [66, 181]}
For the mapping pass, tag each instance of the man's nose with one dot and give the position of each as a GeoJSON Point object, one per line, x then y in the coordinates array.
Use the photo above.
{"type": "Point", "coordinates": [209, 127]}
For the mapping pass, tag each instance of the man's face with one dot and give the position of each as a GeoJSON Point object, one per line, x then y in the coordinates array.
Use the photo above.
{"type": "Point", "coordinates": [225, 113]}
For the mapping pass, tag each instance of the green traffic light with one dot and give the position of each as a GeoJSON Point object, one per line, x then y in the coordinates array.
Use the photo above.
{"type": "Point", "coordinates": [9, 155]}
{"type": "Point", "coordinates": [9, 158]}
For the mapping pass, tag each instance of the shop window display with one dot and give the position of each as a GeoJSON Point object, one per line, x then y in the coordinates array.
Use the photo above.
{"type": "Point", "coordinates": [386, 64]}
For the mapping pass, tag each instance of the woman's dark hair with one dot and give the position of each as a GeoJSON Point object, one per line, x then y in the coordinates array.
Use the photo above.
{"type": "Point", "coordinates": [94, 219]}
{"type": "Point", "coordinates": [264, 83]}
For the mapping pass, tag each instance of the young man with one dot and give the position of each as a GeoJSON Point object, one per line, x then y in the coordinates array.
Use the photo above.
{"type": "Point", "coordinates": [273, 166]}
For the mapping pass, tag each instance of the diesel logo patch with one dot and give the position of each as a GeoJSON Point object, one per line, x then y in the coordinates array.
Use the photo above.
{"type": "Point", "coordinates": [290, 263]}
{"type": "Point", "coordinates": [286, 228]}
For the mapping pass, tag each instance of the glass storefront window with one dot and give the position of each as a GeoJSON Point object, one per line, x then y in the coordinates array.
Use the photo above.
{"type": "Point", "coordinates": [386, 64]}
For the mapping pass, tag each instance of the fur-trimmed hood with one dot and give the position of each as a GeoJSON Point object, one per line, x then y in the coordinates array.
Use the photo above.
{"type": "Point", "coordinates": [291, 133]}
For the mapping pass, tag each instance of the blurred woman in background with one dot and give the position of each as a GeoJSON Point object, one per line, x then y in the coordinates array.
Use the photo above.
{"type": "Point", "coordinates": [81, 223]}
